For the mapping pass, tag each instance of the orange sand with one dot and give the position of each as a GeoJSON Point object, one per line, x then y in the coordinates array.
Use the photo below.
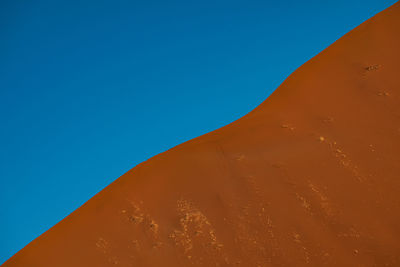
{"type": "Point", "coordinates": [311, 177]}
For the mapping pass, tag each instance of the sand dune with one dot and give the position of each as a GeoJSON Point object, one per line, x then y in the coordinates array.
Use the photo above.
{"type": "Point", "coordinates": [311, 177]}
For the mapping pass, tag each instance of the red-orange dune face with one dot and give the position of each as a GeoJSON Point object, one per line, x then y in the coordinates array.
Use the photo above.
{"type": "Point", "coordinates": [309, 178]}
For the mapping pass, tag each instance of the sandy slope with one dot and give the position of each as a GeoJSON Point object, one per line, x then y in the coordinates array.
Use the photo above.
{"type": "Point", "coordinates": [310, 177]}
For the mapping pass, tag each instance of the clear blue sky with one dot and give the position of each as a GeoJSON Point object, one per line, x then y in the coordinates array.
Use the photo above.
{"type": "Point", "coordinates": [89, 89]}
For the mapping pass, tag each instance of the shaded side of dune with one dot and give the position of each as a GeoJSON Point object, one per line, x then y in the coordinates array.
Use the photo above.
{"type": "Point", "coordinates": [310, 177]}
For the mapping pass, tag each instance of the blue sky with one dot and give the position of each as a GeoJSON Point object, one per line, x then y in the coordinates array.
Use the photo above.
{"type": "Point", "coordinates": [89, 89]}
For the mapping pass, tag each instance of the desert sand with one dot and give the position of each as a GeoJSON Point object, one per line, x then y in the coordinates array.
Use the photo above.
{"type": "Point", "coordinates": [311, 177]}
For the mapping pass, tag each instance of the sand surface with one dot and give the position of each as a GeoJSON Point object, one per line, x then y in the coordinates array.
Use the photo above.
{"type": "Point", "coordinates": [311, 177]}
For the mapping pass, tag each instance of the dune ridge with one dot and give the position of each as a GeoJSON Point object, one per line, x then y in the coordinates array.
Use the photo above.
{"type": "Point", "coordinates": [308, 178]}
